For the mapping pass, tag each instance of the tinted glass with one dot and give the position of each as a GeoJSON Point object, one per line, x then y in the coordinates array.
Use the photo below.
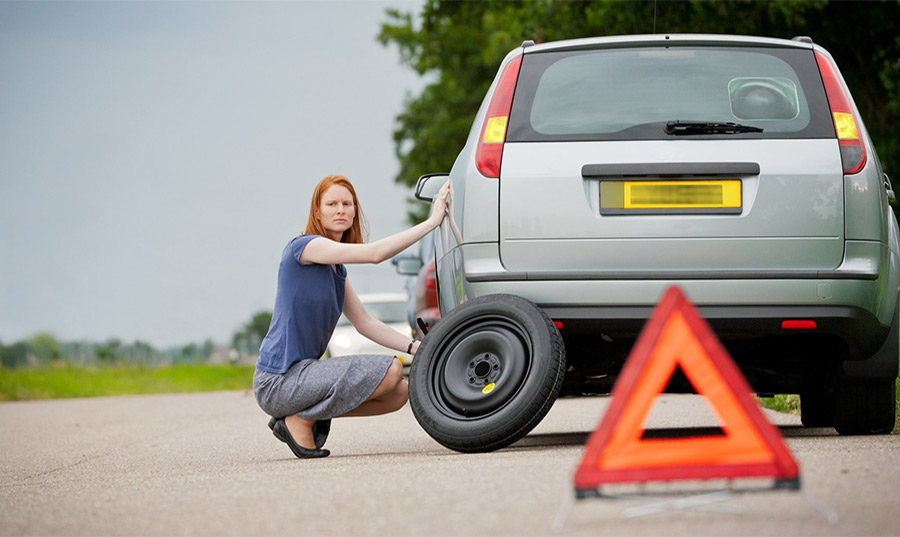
{"type": "Point", "coordinates": [633, 93]}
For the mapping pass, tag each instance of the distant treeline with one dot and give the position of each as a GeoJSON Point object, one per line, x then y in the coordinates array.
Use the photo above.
{"type": "Point", "coordinates": [44, 348]}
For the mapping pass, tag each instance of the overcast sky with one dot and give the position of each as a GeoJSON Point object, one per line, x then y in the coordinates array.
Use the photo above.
{"type": "Point", "coordinates": [155, 157]}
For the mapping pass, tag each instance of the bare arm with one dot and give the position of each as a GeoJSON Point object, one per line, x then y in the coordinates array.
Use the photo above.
{"type": "Point", "coordinates": [371, 327]}
{"type": "Point", "coordinates": [329, 252]}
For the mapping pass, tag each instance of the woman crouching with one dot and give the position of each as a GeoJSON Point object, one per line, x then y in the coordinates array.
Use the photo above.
{"type": "Point", "coordinates": [291, 384]}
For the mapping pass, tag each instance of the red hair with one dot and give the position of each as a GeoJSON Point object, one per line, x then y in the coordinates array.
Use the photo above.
{"type": "Point", "coordinates": [359, 229]}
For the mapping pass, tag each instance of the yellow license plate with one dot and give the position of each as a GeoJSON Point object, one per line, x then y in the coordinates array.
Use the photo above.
{"type": "Point", "coordinates": [647, 197]}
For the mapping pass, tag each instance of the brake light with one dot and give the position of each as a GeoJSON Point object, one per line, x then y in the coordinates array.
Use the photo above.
{"type": "Point", "coordinates": [798, 324]}
{"type": "Point", "coordinates": [493, 131]}
{"type": "Point", "coordinates": [846, 126]}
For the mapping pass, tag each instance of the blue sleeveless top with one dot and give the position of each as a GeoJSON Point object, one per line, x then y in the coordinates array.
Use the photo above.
{"type": "Point", "coordinates": [308, 301]}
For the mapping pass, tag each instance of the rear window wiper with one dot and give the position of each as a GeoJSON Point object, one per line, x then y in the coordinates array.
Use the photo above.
{"type": "Point", "coordinates": [682, 128]}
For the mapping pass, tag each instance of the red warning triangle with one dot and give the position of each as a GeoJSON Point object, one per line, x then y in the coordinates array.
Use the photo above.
{"type": "Point", "coordinates": [676, 336]}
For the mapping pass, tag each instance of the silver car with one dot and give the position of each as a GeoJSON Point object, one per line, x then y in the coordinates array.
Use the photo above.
{"type": "Point", "coordinates": [599, 172]}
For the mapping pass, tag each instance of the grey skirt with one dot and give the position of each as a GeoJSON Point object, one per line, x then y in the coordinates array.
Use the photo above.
{"type": "Point", "coordinates": [320, 389]}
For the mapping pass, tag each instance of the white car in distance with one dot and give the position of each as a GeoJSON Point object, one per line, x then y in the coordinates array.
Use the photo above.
{"type": "Point", "coordinates": [389, 308]}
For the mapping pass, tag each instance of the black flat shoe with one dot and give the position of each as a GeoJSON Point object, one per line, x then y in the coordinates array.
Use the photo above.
{"type": "Point", "coordinates": [320, 430]}
{"type": "Point", "coordinates": [281, 432]}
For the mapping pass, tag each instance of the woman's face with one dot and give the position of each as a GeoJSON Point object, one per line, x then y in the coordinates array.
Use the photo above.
{"type": "Point", "coordinates": [336, 211]}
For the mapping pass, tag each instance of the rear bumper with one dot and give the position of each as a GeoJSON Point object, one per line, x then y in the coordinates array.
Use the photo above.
{"type": "Point", "coordinates": [858, 311]}
{"type": "Point", "coordinates": [857, 297]}
{"type": "Point", "coordinates": [855, 301]}
{"type": "Point", "coordinates": [859, 328]}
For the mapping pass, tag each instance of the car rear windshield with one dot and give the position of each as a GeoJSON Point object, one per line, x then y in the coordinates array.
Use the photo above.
{"type": "Point", "coordinates": [632, 94]}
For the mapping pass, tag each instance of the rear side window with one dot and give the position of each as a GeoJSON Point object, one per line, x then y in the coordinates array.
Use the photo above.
{"type": "Point", "coordinates": [630, 94]}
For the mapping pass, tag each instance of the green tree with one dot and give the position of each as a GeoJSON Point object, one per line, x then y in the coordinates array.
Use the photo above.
{"type": "Point", "coordinates": [206, 350]}
{"type": "Point", "coordinates": [188, 353]}
{"type": "Point", "coordinates": [249, 337]}
{"type": "Point", "coordinates": [109, 352]}
{"type": "Point", "coordinates": [460, 45]}
{"type": "Point", "coordinates": [14, 355]}
{"type": "Point", "coordinates": [45, 347]}
{"type": "Point", "coordinates": [142, 353]}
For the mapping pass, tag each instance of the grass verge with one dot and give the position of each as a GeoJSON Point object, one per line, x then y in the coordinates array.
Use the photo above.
{"type": "Point", "coordinates": [61, 381]}
{"type": "Point", "coordinates": [789, 404]}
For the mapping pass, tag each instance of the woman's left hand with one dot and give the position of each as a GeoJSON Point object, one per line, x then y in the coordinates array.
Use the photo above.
{"type": "Point", "coordinates": [441, 204]}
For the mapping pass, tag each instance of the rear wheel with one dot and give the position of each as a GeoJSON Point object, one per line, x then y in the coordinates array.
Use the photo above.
{"type": "Point", "coordinates": [865, 407]}
{"type": "Point", "coordinates": [487, 373]}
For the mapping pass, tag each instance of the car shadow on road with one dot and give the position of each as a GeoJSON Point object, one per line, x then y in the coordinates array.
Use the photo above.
{"type": "Point", "coordinates": [544, 440]}
{"type": "Point", "coordinates": [797, 431]}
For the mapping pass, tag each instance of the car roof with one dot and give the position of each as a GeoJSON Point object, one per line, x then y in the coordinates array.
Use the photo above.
{"type": "Point", "coordinates": [663, 39]}
{"type": "Point", "coordinates": [367, 298]}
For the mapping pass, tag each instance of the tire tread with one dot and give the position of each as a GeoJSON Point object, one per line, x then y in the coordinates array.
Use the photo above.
{"type": "Point", "coordinates": [865, 407]}
{"type": "Point", "coordinates": [527, 417]}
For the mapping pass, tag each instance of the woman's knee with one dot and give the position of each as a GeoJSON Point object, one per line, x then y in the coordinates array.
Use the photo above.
{"type": "Point", "coordinates": [399, 396]}
{"type": "Point", "coordinates": [394, 373]}
{"type": "Point", "coordinates": [391, 380]}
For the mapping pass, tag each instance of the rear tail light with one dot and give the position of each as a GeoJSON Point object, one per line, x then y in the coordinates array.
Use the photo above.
{"type": "Point", "coordinates": [493, 131]}
{"type": "Point", "coordinates": [428, 293]}
{"type": "Point", "coordinates": [798, 324]}
{"type": "Point", "coordinates": [846, 126]}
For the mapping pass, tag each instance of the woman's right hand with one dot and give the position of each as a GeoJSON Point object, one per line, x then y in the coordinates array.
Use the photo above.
{"type": "Point", "coordinates": [442, 202]}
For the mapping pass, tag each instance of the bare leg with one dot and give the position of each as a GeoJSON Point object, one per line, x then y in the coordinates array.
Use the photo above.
{"type": "Point", "coordinates": [390, 395]}
{"type": "Point", "coordinates": [301, 430]}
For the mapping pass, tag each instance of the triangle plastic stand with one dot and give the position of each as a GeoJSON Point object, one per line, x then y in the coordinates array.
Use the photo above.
{"type": "Point", "coordinates": [676, 336]}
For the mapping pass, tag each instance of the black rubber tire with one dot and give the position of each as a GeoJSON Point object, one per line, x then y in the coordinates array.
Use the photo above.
{"type": "Point", "coordinates": [817, 408]}
{"type": "Point", "coordinates": [487, 373]}
{"type": "Point", "coordinates": [867, 404]}
{"type": "Point", "coordinates": [865, 407]}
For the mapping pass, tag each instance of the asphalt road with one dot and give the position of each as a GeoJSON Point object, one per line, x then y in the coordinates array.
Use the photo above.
{"type": "Point", "coordinates": [206, 464]}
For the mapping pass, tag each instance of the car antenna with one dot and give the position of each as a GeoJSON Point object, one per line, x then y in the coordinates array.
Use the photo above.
{"type": "Point", "coordinates": [654, 16]}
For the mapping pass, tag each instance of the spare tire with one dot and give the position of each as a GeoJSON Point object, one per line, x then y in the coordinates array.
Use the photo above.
{"type": "Point", "coordinates": [487, 373]}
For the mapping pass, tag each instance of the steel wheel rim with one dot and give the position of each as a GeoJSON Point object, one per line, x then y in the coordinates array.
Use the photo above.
{"type": "Point", "coordinates": [481, 368]}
